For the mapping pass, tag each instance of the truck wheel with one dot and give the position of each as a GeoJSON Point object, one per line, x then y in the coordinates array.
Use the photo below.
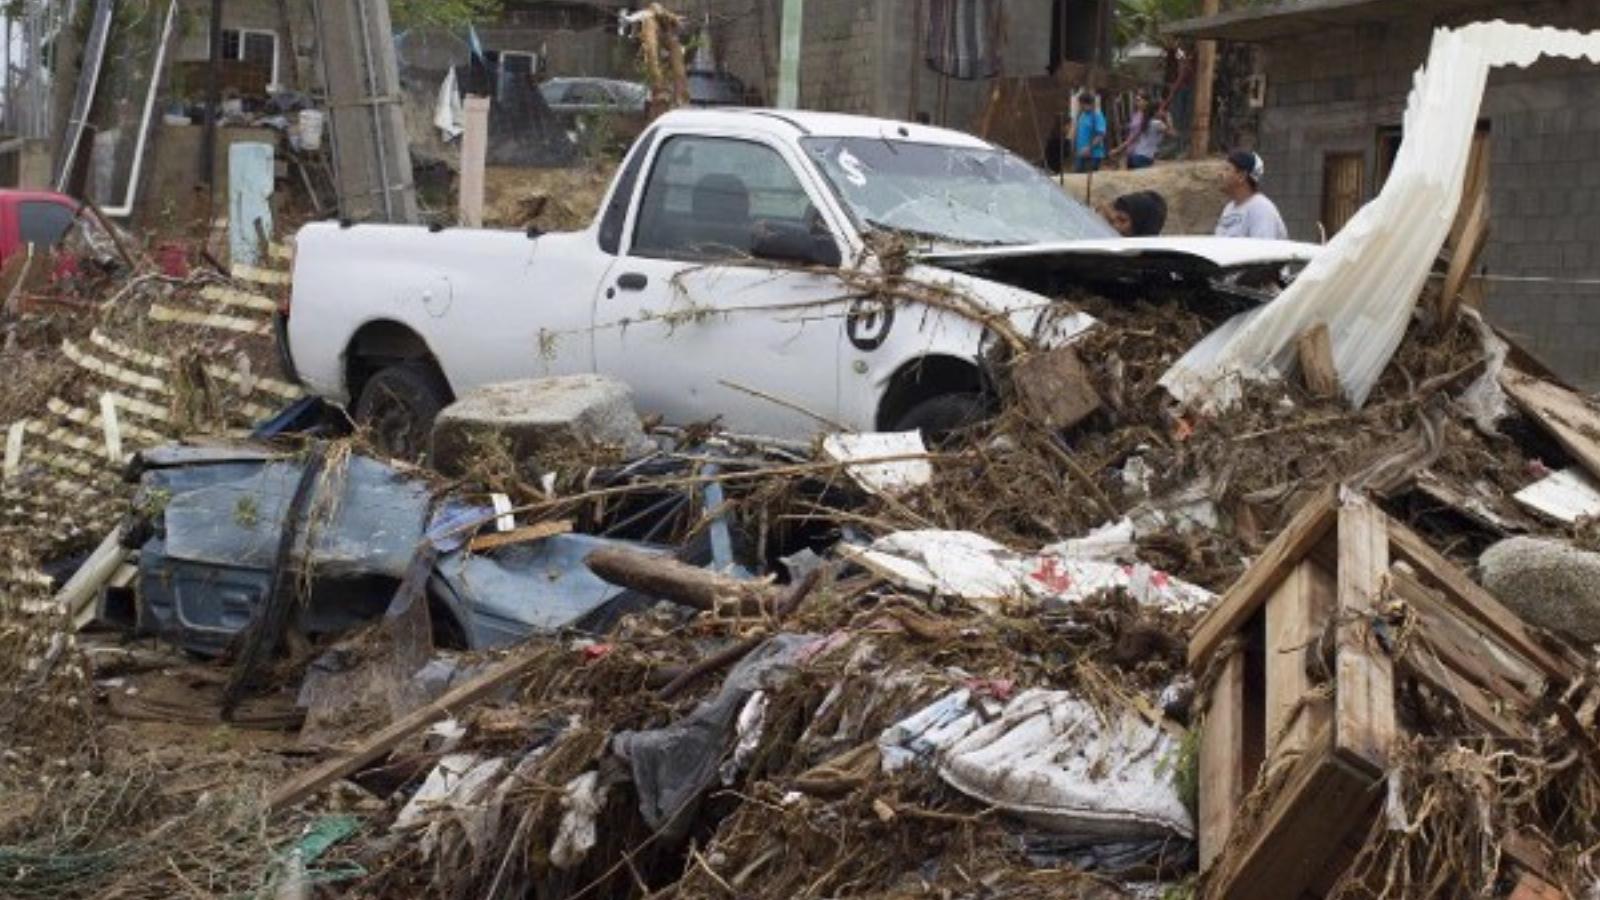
{"type": "Point", "coordinates": [939, 418]}
{"type": "Point", "coordinates": [399, 404]}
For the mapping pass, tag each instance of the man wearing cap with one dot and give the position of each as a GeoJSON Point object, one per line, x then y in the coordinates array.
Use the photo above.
{"type": "Point", "coordinates": [1249, 214]}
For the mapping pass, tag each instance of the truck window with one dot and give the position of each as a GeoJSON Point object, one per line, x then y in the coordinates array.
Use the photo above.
{"type": "Point", "coordinates": [43, 223]}
{"type": "Point", "coordinates": [616, 213]}
{"type": "Point", "coordinates": [708, 197]}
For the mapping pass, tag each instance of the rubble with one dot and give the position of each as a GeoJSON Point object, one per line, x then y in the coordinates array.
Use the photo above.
{"type": "Point", "coordinates": [1101, 645]}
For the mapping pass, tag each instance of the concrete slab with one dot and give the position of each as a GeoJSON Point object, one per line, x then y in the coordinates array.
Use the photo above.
{"type": "Point", "coordinates": [540, 416]}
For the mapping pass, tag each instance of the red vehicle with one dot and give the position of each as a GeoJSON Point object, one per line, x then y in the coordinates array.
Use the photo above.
{"type": "Point", "coordinates": [39, 218]}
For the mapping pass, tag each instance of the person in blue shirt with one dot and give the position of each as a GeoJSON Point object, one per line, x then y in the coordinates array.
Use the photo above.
{"type": "Point", "coordinates": [1089, 135]}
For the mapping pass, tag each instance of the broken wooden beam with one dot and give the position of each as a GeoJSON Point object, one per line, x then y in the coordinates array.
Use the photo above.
{"type": "Point", "coordinates": [680, 583]}
{"type": "Point", "coordinates": [1346, 571]}
{"type": "Point", "coordinates": [785, 605]}
{"type": "Point", "coordinates": [1307, 529]}
{"type": "Point", "coordinates": [1055, 388]}
{"type": "Point", "coordinates": [1568, 417]}
{"type": "Point", "coordinates": [1317, 368]}
{"type": "Point", "coordinates": [376, 745]}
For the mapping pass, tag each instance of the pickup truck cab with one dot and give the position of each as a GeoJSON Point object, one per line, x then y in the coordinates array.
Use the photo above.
{"type": "Point", "coordinates": [788, 272]}
{"type": "Point", "coordinates": [40, 219]}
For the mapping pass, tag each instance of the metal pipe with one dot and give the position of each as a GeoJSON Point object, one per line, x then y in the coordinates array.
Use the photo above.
{"type": "Point", "coordinates": [132, 193]}
{"type": "Point", "coordinates": [94, 59]}
{"type": "Point", "coordinates": [372, 103]}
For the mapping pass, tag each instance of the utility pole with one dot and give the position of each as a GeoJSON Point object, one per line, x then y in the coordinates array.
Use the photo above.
{"type": "Point", "coordinates": [789, 54]}
{"type": "Point", "coordinates": [1205, 78]}
{"type": "Point", "coordinates": [208, 165]}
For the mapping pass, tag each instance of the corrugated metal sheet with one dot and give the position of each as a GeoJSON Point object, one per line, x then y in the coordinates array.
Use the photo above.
{"type": "Point", "coordinates": [1366, 282]}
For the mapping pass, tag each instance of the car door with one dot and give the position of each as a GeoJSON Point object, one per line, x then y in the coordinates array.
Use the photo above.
{"type": "Point", "coordinates": [695, 323]}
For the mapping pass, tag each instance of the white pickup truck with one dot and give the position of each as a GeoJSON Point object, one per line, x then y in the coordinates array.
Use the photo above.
{"type": "Point", "coordinates": [733, 272]}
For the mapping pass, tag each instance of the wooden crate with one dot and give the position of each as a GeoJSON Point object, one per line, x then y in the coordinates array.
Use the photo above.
{"type": "Point", "coordinates": [1302, 658]}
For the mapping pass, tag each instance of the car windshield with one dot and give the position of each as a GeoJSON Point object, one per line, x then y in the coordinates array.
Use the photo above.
{"type": "Point", "coordinates": [951, 195]}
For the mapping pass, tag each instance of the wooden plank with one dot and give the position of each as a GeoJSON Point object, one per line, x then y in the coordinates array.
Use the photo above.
{"type": "Point", "coordinates": [1479, 706]}
{"type": "Point", "coordinates": [234, 297]}
{"type": "Point", "coordinates": [374, 746]}
{"type": "Point", "coordinates": [114, 372]}
{"type": "Point", "coordinates": [232, 376]}
{"type": "Point", "coordinates": [1569, 418]}
{"type": "Point", "coordinates": [1295, 618]}
{"type": "Point", "coordinates": [1222, 769]}
{"type": "Point", "coordinates": [83, 417]}
{"type": "Point", "coordinates": [1465, 647]}
{"type": "Point", "coordinates": [1466, 597]}
{"type": "Point", "coordinates": [1317, 368]}
{"type": "Point", "coordinates": [260, 275]}
{"type": "Point", "coordinates": [1310, 525]}
{"type": "Point", "coordinates": [1474, 240]}
{"type": "Point", "coordinates": [1324, 799]}
{"type": "Point", "coordinates": [525, 535]}
{"type": "Point", "coordinates": [1532, 887]}
{"type": "Point", "coordinates": [474, 153]}
{"type": "Point", "coordinates": [160, 313]}
{"type": "Point", "coordinates": [1364, 720]}
{"type": "Point", "coordinates": [1055, 388]}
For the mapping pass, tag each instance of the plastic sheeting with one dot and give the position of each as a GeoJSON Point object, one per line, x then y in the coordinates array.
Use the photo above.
{"type": "Point", "coordinates": [1052, 760]}
{"type": "Point", "coordinates": [989, 576]}
{"type": "Point", "coordinates": [672, 766]}
{"type": "Point", "coordinates": [1365, 284]}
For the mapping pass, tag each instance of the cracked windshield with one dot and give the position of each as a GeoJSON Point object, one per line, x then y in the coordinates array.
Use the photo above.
{"type": "Point", "coordinates": [951, 196]}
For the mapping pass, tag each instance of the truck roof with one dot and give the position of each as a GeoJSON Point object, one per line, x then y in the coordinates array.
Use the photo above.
{"type": "Point", "coordinates": [25, 194]}
{"type": "Point", "coordinates": [805, 123]}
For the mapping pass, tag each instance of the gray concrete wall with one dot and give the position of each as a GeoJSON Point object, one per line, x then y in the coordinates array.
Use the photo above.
{"type": "Point", "coordinates": [1333, 92]}
{"type": "Point", "coordinates": [867, 58]}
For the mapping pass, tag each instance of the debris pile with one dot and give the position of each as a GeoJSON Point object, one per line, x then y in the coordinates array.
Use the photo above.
{"type": "Point", "coordinates": [1020, 665]}
{"type": "Point", "coordinates": [1104, 644]}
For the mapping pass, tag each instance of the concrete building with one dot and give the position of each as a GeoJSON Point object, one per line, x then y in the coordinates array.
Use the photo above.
{"type": "Point", "coordinates": [873, 58]}
{"type": "Point", "coordinates": [1337, 75]}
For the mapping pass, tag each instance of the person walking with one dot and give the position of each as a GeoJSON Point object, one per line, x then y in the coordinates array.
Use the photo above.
{"type": "Point", "coordinates": [1146, 130]}
{"type": "Point", "coordinates": [1089, 135]}
{"type": "Point", "coordinates": [1249, 213]}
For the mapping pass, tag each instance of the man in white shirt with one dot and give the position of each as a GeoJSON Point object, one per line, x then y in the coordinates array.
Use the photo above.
{"type": "Point", "coordinates": [1249, 214]}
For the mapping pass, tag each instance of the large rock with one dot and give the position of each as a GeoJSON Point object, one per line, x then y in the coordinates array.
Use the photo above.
{"type": "Point", "coordinates": [540, 417]}
{"type": "Point", "coordinates": [1548, 583]}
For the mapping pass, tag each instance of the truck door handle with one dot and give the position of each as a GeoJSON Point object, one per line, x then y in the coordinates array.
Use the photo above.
{"type": "Point", "coordinates": [633, 281]}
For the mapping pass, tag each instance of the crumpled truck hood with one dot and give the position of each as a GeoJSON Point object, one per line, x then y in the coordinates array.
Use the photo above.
{"type": "Point", "coordinates": [1157, 261]}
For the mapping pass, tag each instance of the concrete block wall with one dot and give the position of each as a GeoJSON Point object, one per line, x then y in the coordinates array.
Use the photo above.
{"type": "Point", "coordinates": [860, 57]}
{"type": "Point", "coordinates": [839, 53]}
{"type": "Point", "coordinates": [1333, 92]}
{"type": "Point", "coordinates": [1545, 205]}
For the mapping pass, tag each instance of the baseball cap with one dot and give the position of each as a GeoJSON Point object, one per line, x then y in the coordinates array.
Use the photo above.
{"type": "Point", "coordinates": [1249, 164]}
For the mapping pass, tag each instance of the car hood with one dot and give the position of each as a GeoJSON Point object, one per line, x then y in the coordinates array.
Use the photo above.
{"type": "Point", "coordinates": [1221, 253]}
{"type": "Point", "coordinates": [1145, 262]}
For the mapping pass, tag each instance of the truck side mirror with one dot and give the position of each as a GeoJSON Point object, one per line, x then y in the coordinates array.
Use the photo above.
{"type": "Point", "coordinates": [782, 243]}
